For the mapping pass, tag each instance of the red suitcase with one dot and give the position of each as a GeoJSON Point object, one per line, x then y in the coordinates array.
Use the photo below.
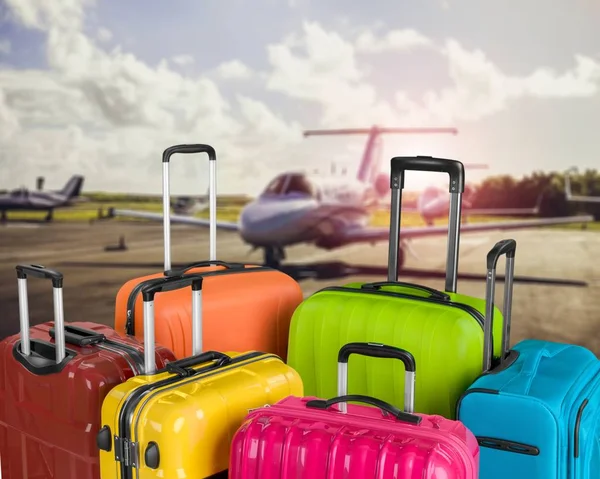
{"type": "Point", "coordinates": [309, 438]}
{"type": "Point", "coordinates": [51, 395]}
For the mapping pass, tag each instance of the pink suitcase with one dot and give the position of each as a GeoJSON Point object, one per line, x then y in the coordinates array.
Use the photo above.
{"type": "Point", "coordinates": [319, 439]}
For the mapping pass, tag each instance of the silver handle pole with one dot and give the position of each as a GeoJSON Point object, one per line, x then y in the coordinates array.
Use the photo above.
{"type": "Point", "coordinates": [212, 209]}
{"type": "Point", "coordinates": [196, 322]}
{"type": "Point", "coordinates": [59, 324]}
{"type": "Point", "coordinates": [343, 385]}
{"type": "Point", "coordinates": [453, 242]}
{"type": "Point", "coordinates": [149, 348]}
{"type": "Point", "coordinates": [167, 215]}
{"type": "Point", "coordinates": [24, 316]}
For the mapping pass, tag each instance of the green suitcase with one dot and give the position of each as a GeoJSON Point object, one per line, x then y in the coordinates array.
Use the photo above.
{"type": "Point", "coordinates": [443, 330]}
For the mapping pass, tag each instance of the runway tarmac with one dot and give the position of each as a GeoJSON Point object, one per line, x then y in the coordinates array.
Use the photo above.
{"type": "Point", "coordinates": [567, 314]}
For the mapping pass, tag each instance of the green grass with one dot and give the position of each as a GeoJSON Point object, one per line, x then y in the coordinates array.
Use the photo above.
{"type": "Point", "coordinates": [229, 211]}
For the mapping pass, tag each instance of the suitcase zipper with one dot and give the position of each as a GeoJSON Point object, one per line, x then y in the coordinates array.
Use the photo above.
{"type": "Point", "coordinates": [131, 300]}
{"type": "Point", "coordinates": [126, 450]}
{"type": "Point", "coordinates": [125, 354]}
{"type": "Point", "coordinates": [465, 307]}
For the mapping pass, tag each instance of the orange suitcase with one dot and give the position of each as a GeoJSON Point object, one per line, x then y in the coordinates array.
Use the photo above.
{"type": "Point", "coordinates": [245, 307]}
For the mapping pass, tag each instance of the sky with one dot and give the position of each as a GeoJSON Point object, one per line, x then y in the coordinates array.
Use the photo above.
{"type": "Point", "coordinates": [101, 88]}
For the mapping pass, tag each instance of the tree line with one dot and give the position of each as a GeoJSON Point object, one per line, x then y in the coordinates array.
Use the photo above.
{"type": "Point", "coordinates": [547, 188]}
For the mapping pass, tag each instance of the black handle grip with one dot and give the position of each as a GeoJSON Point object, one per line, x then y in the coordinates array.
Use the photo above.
{"type": "Point", "coordinates": [507, 247]}
{"type": "Point", "coordinates": [79, 336]}
{"type": "Point", "coordinates": [434, 293]}
{"type": "Point", "coordinates": [394, 411]}
{"type": "Point", "coordinates": [454, 168]}
{"type": "Point", "coordinates": [172, 284]}
{"type": "Point", "coordinates": [39, 271]}
{"type": "Point", "coordinates": [376, 350]}
{"type": "Point", "coordinates": [212, 156]}
{"type": "Point", "coordinates": [183, 367]}
{"type": "Point", "coordinates": [202, 358]}
{"type": "Point", "coordinates": [202, 264]}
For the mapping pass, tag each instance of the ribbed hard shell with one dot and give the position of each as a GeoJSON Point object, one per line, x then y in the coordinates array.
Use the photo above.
{"type": "Point", "coordinates": [48, 424]}
{"type": "Point", "coordinates": [446, 342]}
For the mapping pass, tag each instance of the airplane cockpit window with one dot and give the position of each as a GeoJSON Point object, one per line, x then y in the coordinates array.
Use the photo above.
{"type": "Point", "coordinates": [19, 193]}
{"type": "Point", "coordinates": [276, 186]}
{"type": "Point", "coordinates": [299, 184]}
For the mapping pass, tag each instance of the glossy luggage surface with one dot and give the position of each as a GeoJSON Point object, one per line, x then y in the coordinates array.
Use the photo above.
{"type": "Point", "coordinates": [317, 439]}
{"type": "Point", "coordinates": [257, 300]}
{"type": "Point", "coordinates": [179, 422]}
{"type": "Point", "coordinates": [49, 412]}
{"type": "Point", "coordinates": [439, 328]}
{"type": "Point", "coordinates": [537, 414]}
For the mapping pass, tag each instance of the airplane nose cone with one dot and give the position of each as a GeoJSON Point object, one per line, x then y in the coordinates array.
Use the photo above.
{"type": "Point", "coordinates": [271, 223]}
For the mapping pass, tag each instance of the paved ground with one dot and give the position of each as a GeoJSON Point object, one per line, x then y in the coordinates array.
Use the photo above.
{"type": "Point", "coordinates": [541, 311]}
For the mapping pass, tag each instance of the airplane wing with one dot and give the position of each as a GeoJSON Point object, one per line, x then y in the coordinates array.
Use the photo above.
{"type": "Point", "coordinates": [373, 235]}
{"type": "Point", "coordinates": [181, 219]}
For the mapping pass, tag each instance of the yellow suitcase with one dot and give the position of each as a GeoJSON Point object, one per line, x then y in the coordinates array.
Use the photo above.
{"type": "Point", "coordinates": [179, 422]}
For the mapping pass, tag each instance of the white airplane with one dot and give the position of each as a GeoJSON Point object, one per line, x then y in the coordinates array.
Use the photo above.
{"type": "Point", "coordinates": [334, 212]}
{"type": "Point", "coordinates": [574, 198]}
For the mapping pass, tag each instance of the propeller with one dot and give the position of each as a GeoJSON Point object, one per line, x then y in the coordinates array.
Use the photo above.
{"type": "Point", "coordinates": [338, 269]}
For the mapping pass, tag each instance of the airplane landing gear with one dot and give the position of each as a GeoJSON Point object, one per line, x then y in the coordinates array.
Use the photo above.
{"type": "Point", "coordinates": [273, 256]}
{"type": "Point", "coordinates": [50, 215]}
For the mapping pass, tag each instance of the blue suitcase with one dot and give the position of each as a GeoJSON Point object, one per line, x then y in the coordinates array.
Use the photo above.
{"type": "Point", "coordinates": [537, 414]}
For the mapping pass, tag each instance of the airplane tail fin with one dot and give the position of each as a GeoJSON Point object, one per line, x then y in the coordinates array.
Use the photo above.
{"type": "Point", "coordinates": [568, 192]}
{"type": "Point", "coordinates": [73, 187]}
{"type": "Point", "coordinates": [370, 164]}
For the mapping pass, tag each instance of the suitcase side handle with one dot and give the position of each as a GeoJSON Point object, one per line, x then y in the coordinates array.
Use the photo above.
{"type": "Point", "coordinates": [202, 264]}
{"type": "Point", "coordinates": [434, 293]}
{"type": "Point", "coordinates": [376, 350]}
{"type": "Point", "coordinates": [79, 336]}
{"type": "Point", "coordinates": [39, 271]}
{"type": "Point", "coordinates": [456, 172]}
{"type": "Point", "coordinates": [171, 284]}
{"type": "Point", "coordinates": [506, 247]}
{"type": "Point", "coordinates": [182, 367]}
{"type": "Point", "coordinates": [384, 406]}
{"type": "Point", "coordinates": [212, 197]}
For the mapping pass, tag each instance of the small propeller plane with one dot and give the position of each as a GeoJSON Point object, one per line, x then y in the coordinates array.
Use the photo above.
{"type": "Point", "coordinates": [334, 212]}
{"type": "Point", "coordinates": [25, 200]}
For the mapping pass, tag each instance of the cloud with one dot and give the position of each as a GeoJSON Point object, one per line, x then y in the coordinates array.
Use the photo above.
{"type": "Point", "coordinates": [234, 70]}
{"type": "Point", "coordinates": [41, 15]}
{"type": "Point", "coordinates": [5, 47]}
{"type": "Point", "coordinates": [395, 40]}
{"type": "Point", "coordinates": [322, 67]}
{"type": "Point", "coordinates": [183, 60]}
{"type": "Point", "coordinates": [109, 115]}
{"type": "Point", "coordinates": [480, 88]}
{"type": "Point", "coordinates": [104, 34]}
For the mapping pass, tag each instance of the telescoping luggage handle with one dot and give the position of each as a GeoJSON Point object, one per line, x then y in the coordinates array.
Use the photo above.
{"type": "Point", "coordinates": [375, 350]}
{"type": "Point", "coordinates": [38, 271]}
{"type": "Point", "coordinates": [212, 197]}
{"type": "Point", "coordinates": [456, 172]}
{"type": "Point", "coordinates": [171, 284]}
{"type": "Point", "coordinates": [506, 247]}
